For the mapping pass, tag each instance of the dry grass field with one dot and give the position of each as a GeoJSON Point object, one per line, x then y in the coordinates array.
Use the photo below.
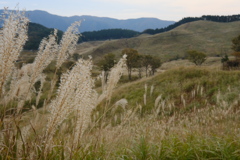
{"type": "Point", "coordinates": [211, 38]}
{"type": "Point", "coordinates": [51, 108]}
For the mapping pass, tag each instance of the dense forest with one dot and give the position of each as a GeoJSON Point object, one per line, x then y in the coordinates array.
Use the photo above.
{"type": "Point", "coordinates": [108, 34]}
{"type": "Point", "coordinates": [36, 32]}
{"type": "Point", "coordinates": [231, 18]}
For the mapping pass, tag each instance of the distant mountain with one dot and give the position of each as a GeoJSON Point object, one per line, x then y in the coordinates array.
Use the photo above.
{"type": "Point", "coordinates": [92, 23]}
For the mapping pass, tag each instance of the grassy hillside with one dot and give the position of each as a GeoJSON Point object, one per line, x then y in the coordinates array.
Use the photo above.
{"type": "Point", "coordinates": [185, 113]}
{"type": "Point", "coordinates": [53, 108]}
{"type": "Point", "coordinates": [213, 38]}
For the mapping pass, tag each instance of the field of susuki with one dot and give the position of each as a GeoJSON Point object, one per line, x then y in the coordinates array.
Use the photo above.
{"type": "Point", "coordinates": [183, 113]}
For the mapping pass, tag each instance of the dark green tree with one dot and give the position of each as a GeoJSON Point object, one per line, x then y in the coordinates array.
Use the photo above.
{"type": "Point", "coordinates": [132, 59]}
{"type": "Point", "coordinates": [236, 44]}
{"type": "Point", "coordinates": [224, 58]}
{"type": "Point", "coordinates": [139, 65]}
{"type": "Point", "coordinates": [146, 62]}
{"type": "Point", "coordinates": [106, 63]}
{"type": "Point", "coordinates": [155, 63]}
{"type": "Point", "coordinates": [196, 57]}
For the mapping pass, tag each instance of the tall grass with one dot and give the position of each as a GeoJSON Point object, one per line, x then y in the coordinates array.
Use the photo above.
{"type": "Point", "coordinates": [186, 113]}
{"type": "Point", "coordinates": [75, 95]}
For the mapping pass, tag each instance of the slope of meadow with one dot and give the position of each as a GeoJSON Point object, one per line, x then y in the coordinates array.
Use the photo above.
{"type": "Point", "coordinates": [210, 37]}
{"type": "Point", "coordinates": [183, 113]}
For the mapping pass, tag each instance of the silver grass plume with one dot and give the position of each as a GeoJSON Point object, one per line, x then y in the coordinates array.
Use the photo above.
{"type": "Point", "coordinates": [68, 43]}
{"type": "Point", "coordinates": [46, 53]}
{"type": "Point", "coordinates": [13, 36]}
{"type": "Point", "coordinates": [22, 84]}
{"type": "Point", "coordinates": [75, 93]}
{"type": "Point", "coordinates": [85, 99]}
{"type": "Point", "coordinates": [113, 78]}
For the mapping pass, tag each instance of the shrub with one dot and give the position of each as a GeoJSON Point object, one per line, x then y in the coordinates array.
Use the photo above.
{"type": "Point", "coordinates": [196, 57]}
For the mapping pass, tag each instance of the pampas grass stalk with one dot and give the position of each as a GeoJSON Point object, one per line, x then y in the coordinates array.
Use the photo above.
{"type": "Point", "coordinates": [46, 53]}
{"type": "Point", "coordinates": [23, 85]}
{"type": "Point", "coordinates": [74, 94]}
{"type": "Point", "coordinates": [68, 44]}
{"type": "Point", "coordinates": [112, 80]}
{"type": "Point", "coordinates": [13, 36]}
{"type": "Point", "coordinates": [66, 48]}
{"type": "Point", "coordinates": [151, 90]}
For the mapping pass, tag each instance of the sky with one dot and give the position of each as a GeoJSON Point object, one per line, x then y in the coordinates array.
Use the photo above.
{"type": "Point", "coordinates": [126, 9]}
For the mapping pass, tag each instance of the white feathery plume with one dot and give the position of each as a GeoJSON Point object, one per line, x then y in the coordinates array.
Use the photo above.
{"type": "Point", "coordinates": [75, 93]}
{"type": "Point", "coordinates": [145, 99]}
{"type": "Point", "coordinates": [13, 36]}
{"type": "Point", "coordinates": [46, 53]}
{"type": "Point", "coordinates": [113, 78]}
{"type": "Point", "coordinates": [151, 90]}
{"type": "Point", "coordinates": [157, 100]}
{"type": "Point", "coordinates": [22, 85]}
{"type": "Point", "coordinates": [39, 93]}
{"type": "Point", "coordinates": [19, 85]}
{"type": "Point", "coordinates": [68, 43]}
{"type": "Point", "coordinates": [122, 102]}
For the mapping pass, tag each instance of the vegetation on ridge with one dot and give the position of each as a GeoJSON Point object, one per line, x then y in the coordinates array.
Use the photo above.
{"type": "Point", "coordinates": [231, 18]}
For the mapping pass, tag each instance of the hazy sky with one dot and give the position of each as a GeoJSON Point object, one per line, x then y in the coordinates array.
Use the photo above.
{"type": "Point", "coordinates": [125, 9]}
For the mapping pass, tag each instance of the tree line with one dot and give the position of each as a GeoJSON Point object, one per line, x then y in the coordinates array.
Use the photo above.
{"type": "Point", "coordinates": [231, 18]}
{"type": "Point", "coordinates": [37, 32]}
{"type": "Point", "coordinates": [135, 60]}
{"type": "Point", "coordinates": [107, 34]}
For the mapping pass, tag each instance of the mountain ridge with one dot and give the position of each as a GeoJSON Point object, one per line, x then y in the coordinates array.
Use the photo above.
{"type": "Point", "coordinates": [94, 23]}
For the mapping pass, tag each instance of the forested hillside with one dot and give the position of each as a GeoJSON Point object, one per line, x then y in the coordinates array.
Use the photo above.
{"type": "Point", "coordinates": [231, 18]}
{"type": "Point", "coordinates": [108, 34]}
{"type": "Point", "coordinates": [37, 32]}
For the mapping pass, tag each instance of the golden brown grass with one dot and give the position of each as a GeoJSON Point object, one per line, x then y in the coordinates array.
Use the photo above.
{"type": "Point", "coordinates": [183, 113]}
{"type": "Point", "coordinates": [211, 38]}
{"type": "Point", "coordinates": [75, 94]}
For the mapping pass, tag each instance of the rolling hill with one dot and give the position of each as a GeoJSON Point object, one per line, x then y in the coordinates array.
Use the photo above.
{"type": "Point", "coordinates": [213, 38]}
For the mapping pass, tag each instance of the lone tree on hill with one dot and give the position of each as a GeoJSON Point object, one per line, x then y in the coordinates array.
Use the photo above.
{"type": "Point", "coordinates": [236, 44]}
{"type": "Point", "coordinates": [132, 59]}
{"type": "Point", "coordinates": [106, 63]}
{"type": "Point", "coordinates": [196, 57]}
{"type": "Point", "coordinates": [236, 47]}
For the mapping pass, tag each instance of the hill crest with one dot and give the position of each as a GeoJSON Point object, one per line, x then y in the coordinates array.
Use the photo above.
{"type": "Point", "coordinates": [212, 38]}
{"type": "Point", "coordinates": [94, 23]}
